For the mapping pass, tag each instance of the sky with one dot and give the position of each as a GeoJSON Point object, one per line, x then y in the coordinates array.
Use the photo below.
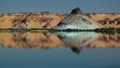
{"type": "Point", "coordinates": [60, 6]}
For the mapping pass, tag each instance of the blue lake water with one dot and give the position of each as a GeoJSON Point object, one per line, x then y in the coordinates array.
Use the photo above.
{"type": "Point", "coordinates": [60, 57]}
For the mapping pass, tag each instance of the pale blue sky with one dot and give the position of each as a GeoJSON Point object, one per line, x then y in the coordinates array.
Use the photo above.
{"type": "Point", "coordinates": [59, 6]}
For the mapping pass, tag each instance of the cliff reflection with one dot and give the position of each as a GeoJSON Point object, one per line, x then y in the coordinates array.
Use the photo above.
{"type": "Point", "coordinates": [30, 40]}
{"type": "Point", "coordinates": [106, 41]}
{"type": "Point", "coordinates": [74, 40]}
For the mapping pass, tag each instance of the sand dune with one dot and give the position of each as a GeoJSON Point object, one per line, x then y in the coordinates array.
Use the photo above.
{"type": "Point", "coordinates": [49, 20]}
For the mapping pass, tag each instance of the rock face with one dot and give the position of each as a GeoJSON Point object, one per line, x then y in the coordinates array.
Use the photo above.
{"type": "Point", "coordinates": [76, 20]}
{"type": "Point", "coordinates": [77, 11]}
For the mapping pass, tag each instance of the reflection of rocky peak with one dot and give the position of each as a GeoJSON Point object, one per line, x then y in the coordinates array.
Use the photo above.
{"type": "Point", "coordinates": [76, 49]}
{"type": "Point", "coordinates": [76, 41]}
{"type": "Point", "coordinates": [76, 11]}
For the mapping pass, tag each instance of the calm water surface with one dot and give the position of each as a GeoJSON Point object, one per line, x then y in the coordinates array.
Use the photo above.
{"type": "Point", "coordinates": [59, 50]}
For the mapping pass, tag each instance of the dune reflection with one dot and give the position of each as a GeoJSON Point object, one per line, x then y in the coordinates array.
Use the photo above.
{"type": "Point", "coordinates": [30, 40]}
{"type": "Point", "coordinates": [74, 40]}
{"type": "Point", "coordinates": [106, 41]}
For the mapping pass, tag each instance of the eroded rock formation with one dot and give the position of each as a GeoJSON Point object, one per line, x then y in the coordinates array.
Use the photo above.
{"type": "Point", "coordinates": [76, 20]}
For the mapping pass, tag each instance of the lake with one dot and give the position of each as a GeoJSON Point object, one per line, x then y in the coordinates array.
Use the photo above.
{"type": "Point", "coordinates": [59, 50]}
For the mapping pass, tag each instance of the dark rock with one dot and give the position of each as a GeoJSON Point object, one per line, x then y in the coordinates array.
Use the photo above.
{"type": "Point", "coordinates": [77, 11]}
{"type": "Point", "coordinates": [112, 21]}
{"type": "Point", "coordinates": [104, 21]}
{"type": "Point", "coordinates": [118, 21]}
{"type": "Point", "coordinates": [77, 50]}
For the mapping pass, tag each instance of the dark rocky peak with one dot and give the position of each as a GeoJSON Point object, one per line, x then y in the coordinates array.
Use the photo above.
{"type": "Point", "coordinates": [77, 11]}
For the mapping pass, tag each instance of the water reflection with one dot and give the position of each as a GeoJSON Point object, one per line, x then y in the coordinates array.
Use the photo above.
{"type": "Point", "coordinates": [106, 41]}
{"type": "Point", "coordinates": [74, 40]}
{"type": "Point", "coordinates": [30, 40]}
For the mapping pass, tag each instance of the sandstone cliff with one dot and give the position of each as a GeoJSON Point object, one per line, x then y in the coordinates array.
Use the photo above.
{"type": "Point", "coordinates": [49, 20]}
{"type": "Point", "coordinates": [106, 20]}
{"type": "Point", "coordinates": [30, 20]}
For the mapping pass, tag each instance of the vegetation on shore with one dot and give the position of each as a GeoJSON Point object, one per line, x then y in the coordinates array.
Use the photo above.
{"type": "Point", "coordinates": [23, 30]}
{"type": "Point", "coordinates": [108, 30]}
{"type": "Point", "coordinates": [101, 30]}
